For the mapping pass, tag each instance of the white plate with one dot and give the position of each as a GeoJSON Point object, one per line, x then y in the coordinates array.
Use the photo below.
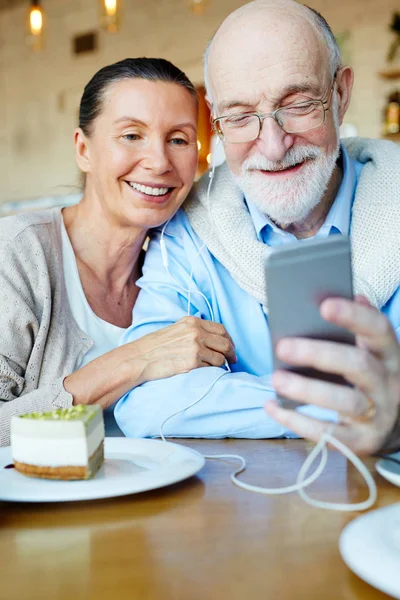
{"type": "Point", "coordinates": [130, 466]}
{"type": "Point", "coordinates": [370, 546]}
{"type": "Point", "coordinates": [389, 470]}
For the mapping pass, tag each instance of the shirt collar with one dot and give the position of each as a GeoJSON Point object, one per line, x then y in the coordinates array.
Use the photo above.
{"type": "Point", "coordinates": [338, 218]}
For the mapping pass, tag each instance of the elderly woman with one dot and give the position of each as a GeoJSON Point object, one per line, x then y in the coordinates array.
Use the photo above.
{"type": "Point", "coordinates": [68, 277]}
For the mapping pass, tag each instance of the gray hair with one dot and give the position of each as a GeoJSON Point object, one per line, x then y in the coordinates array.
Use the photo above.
{"type": "Point", "coordinates": [335, 59]}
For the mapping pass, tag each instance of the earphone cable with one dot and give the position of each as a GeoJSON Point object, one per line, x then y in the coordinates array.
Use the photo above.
{"type": "Point", "coordinates": [320, 448]}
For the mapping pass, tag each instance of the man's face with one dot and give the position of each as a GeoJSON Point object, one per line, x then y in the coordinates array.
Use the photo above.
{"type": "Point", "coordinates": [274, 66]}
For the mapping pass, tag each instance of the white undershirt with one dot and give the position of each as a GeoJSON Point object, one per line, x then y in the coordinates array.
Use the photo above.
{"type": "Point", "coordinates": [104, 335]}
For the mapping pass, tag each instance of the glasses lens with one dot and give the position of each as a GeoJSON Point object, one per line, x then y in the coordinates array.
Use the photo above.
{"type": "Point", "coordinates": [301, 117]}
{"type": "Point", "coordinates": [239, 128]}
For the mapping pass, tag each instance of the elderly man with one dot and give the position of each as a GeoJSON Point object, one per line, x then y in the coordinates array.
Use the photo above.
{"type": "Point", "coordinates": [278, 94]}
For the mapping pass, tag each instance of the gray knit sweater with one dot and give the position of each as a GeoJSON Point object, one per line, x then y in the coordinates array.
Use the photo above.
{"type": "Point", "coordinates": [40, 342]}
{"type": "Point", "coordinates": [226, 227]}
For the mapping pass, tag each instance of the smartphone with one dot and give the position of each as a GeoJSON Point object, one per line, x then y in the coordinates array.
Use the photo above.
{"type": "Point", "coordinates": [299, 277]}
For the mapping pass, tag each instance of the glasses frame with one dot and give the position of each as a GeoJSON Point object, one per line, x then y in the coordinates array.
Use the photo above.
{"type": "Point", "coordinates": [274, 115]}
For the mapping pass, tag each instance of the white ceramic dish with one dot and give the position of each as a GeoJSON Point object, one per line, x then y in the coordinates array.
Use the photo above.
{"type": "Point", "coordinates": [370, 546]}
{"type": "Point", "coordinates": [130, 466]}
{"type": "Point", "coordinates": [389, 469]}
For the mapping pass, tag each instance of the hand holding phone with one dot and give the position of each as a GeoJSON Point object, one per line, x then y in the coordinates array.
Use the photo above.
{"type": "Point", "coordinates": [299, 277]}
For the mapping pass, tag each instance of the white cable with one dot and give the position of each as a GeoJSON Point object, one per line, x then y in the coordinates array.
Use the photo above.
{"type": "Point", "coordinates": [302, 481]}
{"type": "Point", "coordinates": [320, 448]}
{"type": "Point", "coordinates": [271, 491]}
{"type": "Point", "coordinates": [357, 463]}
{"type": "Point", "coordinates": [189, 405]}
{"type": "Point", "coordinates": [164, 256]}
{"type": "Point", "coordinates": [252, 488]}
{"type": "Point", "coordinates": [211, 177]}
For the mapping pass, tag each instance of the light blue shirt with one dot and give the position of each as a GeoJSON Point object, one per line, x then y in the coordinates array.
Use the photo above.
{"type": "Point", "coordinates": [233, 407]}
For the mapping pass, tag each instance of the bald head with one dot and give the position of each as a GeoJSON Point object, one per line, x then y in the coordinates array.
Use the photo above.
{"type": "Point", "coordinates": [277, 30]}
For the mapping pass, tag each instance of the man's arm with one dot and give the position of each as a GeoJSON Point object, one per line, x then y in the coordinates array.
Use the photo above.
{"type": "Point", "coordinates": [232, 408]}
{"type": "Point", "coordinates": [234, 404]}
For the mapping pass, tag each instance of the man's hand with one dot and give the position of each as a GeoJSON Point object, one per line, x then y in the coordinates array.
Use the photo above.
{"type": "Point", "coordinates": [369, 411]}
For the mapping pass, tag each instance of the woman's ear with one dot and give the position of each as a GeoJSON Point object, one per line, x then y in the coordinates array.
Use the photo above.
{"type": "Point", "coordinates": [81, 150]}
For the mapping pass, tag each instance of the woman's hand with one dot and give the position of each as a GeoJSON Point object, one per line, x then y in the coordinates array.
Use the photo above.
{"type": "Point", "coordinates": [188, 344]}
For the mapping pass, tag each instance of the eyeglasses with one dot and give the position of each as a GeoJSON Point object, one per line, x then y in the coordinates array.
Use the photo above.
{"type": "Point", "coordinates": [295, 118]}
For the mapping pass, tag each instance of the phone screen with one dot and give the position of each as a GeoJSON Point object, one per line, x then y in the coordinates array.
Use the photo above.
{"type": "Point", "coordinates": [299, 277]}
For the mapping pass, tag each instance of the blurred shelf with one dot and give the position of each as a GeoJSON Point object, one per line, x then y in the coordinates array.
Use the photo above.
{"type": "Point", "coordinates": [390, 73]}
{"type": "Point", "coordinates": [394, 137]}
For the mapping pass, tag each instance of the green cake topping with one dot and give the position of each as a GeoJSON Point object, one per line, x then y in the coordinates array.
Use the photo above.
{"type": "Point", "coordinates": [80, 412]}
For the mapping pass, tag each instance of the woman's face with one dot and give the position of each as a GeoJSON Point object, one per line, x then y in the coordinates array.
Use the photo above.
{"type": "Point", "coordinates": [141, 157]}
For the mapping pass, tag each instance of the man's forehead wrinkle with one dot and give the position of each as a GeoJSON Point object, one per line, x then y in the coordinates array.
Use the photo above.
{"type": "Point", "coordinates": [268, 76]}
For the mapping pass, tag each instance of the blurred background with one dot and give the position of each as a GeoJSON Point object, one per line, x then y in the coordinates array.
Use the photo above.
{"type": "Point", "coordinates": [49, 49]}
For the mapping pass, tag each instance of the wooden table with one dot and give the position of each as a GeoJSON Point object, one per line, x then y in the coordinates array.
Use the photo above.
{"type": "Point", "coordinates": [201, 539]}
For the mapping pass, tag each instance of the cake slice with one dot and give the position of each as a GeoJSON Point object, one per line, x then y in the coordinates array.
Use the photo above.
{"type": "Point", "coordinates": [67, 443]}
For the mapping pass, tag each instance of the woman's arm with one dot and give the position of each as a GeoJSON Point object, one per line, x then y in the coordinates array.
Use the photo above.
{"type": "Point", "coordinates": [178, 348]}
{"type": "Point", "coordinates": [188, 344]}
{"type": "Point", "coordinates": [26, 313]}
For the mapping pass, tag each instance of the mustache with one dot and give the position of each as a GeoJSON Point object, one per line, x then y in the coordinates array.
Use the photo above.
{"type": "Point", "coordinates": [294, 156]}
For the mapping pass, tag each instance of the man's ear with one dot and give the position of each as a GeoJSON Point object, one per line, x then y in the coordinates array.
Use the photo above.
{"type": "Point", "coordinates": [81, 150]}
{"type": "Point", "coordinates": [345, 79]}
{"type": "Point", "coordinates": [210, 105]}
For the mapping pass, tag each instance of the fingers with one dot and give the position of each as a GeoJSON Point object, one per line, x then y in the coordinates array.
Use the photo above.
{"type": "Point", "coordinates": [198, 324]}
{"type": "Point", "coordinates": [215, 328]}
{"type": "Point", "coordinates": [210, 358]}
{"type": "Point", "coordinates": [200, 357]}
{"type": "Point", "coordinates": [211, 335]}
{"type": "Point", "coordinates": [306, 427]}
{"type": "Point", "coordinates": [346, 400]}
{"type": "Point", "coordinates": [221, 345]}
{"type": "Point", "coordinates": [356, 365]}
{"type": "Point", "coordinates": [372, 366]}
{"type": "Point", "coordinates": [359, 318]}
{"type": "Point", "coordinates": [366, 322]}
{"type": "Point", "coordinates": [358, 437]}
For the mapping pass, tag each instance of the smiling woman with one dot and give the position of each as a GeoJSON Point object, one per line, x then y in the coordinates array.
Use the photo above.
{"type": "Point", "coordinates": [68, 276]}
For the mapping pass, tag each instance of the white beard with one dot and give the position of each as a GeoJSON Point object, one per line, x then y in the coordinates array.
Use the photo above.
{"type": "Point", "coordinates": [291, 200]}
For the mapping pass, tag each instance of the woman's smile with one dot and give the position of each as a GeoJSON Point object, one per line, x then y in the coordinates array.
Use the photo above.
{"type": "Point", "coordinates": [154, 193]}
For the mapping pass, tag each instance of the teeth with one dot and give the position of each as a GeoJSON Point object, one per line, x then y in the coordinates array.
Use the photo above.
{"type": "Point", "coordinates": [145, 189]}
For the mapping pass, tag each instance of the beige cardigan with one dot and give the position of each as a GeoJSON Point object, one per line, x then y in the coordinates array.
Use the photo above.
{"type": "Point", "coordinates": [40, 342]}
{"type": "Point", "coordinates": [224, 224]}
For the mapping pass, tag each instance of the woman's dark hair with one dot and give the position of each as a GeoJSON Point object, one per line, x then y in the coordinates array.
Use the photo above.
{"type": "Point", "coordinates": [151, 69]}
